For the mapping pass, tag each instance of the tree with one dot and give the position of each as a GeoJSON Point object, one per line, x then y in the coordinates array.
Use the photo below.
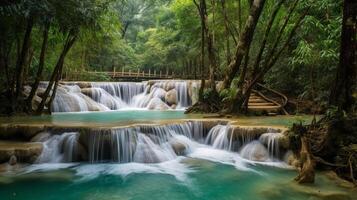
{"type": "Point", "coordinates": [345, 81]}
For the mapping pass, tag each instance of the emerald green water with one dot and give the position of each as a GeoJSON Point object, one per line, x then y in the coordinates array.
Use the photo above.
{"type": "Point", "coordinates": [188, 179]}
{"type": "Point", "coordinates": [131, 116]}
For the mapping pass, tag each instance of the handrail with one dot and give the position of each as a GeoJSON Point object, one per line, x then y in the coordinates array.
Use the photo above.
{"type": "Point", "coordinates": [284, 98]}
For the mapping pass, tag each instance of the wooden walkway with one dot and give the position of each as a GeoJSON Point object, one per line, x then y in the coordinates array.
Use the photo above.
{"type": "Point", "coordinates": [131, 75]}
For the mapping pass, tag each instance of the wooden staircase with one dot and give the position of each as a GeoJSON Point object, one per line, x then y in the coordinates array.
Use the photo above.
{"type": "Point", "coordinates": [258, 102]}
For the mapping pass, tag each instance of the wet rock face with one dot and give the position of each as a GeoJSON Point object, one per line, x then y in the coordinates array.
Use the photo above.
{"type": "Point", "coordinates": [13, 152]}
{"type": "Point", "coordinates": [9, 131]}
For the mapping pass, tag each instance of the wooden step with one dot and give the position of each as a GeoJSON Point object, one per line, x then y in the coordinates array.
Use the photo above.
{"type": "Point", "coordinates": [256, 101]}
{"type": "Point", "coordinates": [261, 104]}
{"type": "Point", "coordinates": [264, 108]}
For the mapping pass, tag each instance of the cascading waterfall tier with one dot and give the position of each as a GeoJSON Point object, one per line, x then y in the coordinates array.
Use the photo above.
{"type": "Point", "coordinates": [160, 143]}
{"type": "Point", "coordinates": [104, 96]}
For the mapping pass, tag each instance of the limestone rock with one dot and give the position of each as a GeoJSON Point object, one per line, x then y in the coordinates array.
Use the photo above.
{"type": "Point", "coordinates": [157, 104]}
{"type": "Point", "coordinates": [84, 84]}
{"type": "Point", "coordinates": [179, 148]}
{"type": "Point", "coordinates": [87, 91]}
{"type": "Point", "coordinates": [255, 151]}
{"type": "Point", "coordinates": [171, 97]}
{"type": "Point", "coordinates": [157, 92]}
{"type": "Point", "coordinates": [24, 151]}
{"type": "Point", "coordinates": [40, 92]}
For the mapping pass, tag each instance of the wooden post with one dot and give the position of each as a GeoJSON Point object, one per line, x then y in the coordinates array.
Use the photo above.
{"type": "Point", "coordinates": [113, 72]}
{"type": "Point", "coordinates": [122, 71]}
{"type": "Point", "coordinates": [129, 72]}
{"type": "Point", "coordinates": [143, 73]}
{"type": "Point", "coordinates": [137, 75]}
{"type": "Point", "coordinates": [149, 72]}
{"type": "Point", "coordinates": [154, 73]}
{"type": "Point", "coordinates": [160, 73]}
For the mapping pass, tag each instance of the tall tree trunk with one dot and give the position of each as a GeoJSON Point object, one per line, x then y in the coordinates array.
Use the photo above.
{"type": "Point", "coordinates": [239, 16]}
{"type": "Point", "coordinates": [40, 67]}
{"type": "Point", "coordinates": [210, 46]}
{"type": "Point", "coordinates": [239, 100]}
{"type": "Point", "coordinates": [21, 62]}
{"type": "Point", "coordinates": [58, 78]}
{"type": "Point", "coordinates": [281, 31]}
{"type": "Point", "coordinates": [227, 30]}
{"type": "Point", "coordinates": [58, 68]}
{"type": "Point", "coordinates": [345, 81]}
{"type": "Point", "coordinates": [266, 35]}
{"type": "Point", "coordinates": [244, 42]}
{"type": "Point", "coordinates": [202, 58]}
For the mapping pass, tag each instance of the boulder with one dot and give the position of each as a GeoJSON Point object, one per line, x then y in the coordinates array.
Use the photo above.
{"type": "Point", "coordinates": [171, 97]}
{"type": "Point", "coordinates": [178, 148]}
{"type": "Point", "coordinates": [87, 91]}
{"type": "Point", "coordinates": [84, 84]}
{"type": "Point", "coordinates": [255, 151]}
{"type": "Point", "coordinates": [157, 104]}
{"type": "Point", "coordinates": [35, 102]}
{"type": "Point", "coordinates": [157, 92]}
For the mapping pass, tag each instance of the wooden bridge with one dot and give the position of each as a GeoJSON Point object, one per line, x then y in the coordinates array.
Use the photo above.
{"type": "Point", "coordinates": [130, 75]}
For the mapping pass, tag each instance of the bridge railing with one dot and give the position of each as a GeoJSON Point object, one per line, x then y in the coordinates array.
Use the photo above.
{"type": "Point", "coordinates": [131, 74]}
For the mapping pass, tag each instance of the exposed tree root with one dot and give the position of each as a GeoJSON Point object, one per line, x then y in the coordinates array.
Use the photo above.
{"type": "Point", "coordinates": [307, 170]}
{"type": "Point", "coordinates": [329, 143]}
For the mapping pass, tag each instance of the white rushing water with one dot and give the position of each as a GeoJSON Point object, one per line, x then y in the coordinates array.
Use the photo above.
{"type": "Point", "coordinates": [162, 149]}
{"type": "Point", "coordinates": [104, 96]}
{"type": "Point", "coordinates": [156, 144]}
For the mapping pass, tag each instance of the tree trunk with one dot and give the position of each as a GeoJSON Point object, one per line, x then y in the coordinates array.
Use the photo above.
{"type": "Point", "coordinates": [227, 30]}
{"type": "Point", "coordinates": [281, 31]}
{"type": "Point", "coordinates": [21, 62]}
{"type": "Point", "coordinates": [210, 46]}
{"type": "Point", "coordinates": [53, 95]}
{"type": "Point", "coordinates": [244, 42]}
{"type": "Point", "coordinates": [342, 90]}
{"type": "Point", "coordinates": [58, 68]}
{"type": "Point", "coordinates": [266, 35]}
{"type": "Point", "coordinates": [202, 64]}
{"type": "Point", "coordinates": [40, 67]}
{"type": "Point", "coordinates": [239, 100]}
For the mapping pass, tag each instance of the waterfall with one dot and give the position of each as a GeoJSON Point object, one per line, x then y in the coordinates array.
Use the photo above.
{"type": "Point", "coordinates": [58, 148]}
{"type": "Point", "coordinates": [139, 144]}
{"type": "Point", "coordinates": [104, 96]}
{"type": "Point", "coordinates": [271, 140]}
{"type": "Point", "coordinates": [123, 90]}
{"type": "Point", "coordinates": [156, 144]}
{"type": "Point", "coordinates": [219, 137]}
{"type": "Point", "coordinates": [182, 94]}
{"type": "Point", "coordinates": [68, 99]}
